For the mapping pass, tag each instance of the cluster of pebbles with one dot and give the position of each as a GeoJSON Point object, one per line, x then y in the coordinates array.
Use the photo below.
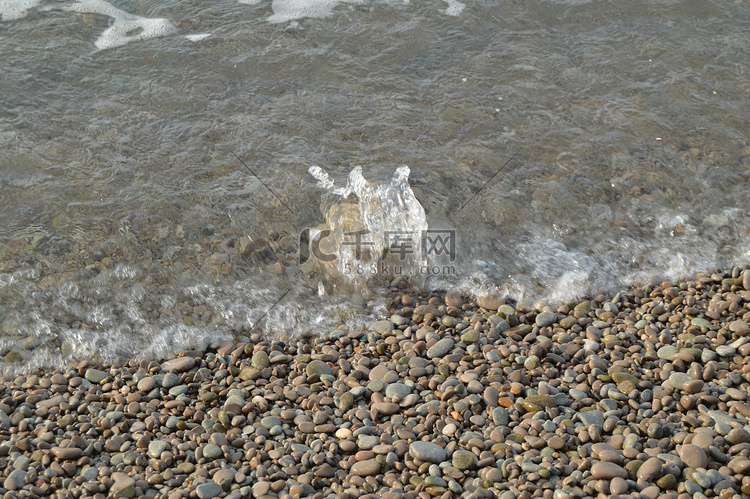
{"type": "Point", "coordinates": [640, 395]}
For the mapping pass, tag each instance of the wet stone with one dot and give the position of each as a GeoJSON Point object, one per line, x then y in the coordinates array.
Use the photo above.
{"type": "Point", "coordinates": [740, 327]}
{"type": "Point", "coordinates": [366, 468]}
{"type": "Point", "coordinates": [212, 451]}
{"type": "Point", "coordinates": [317, 367]}
{"type": "Point", "coordinates": [427, 451]}
{"type": "Point", "coordinates": [607, 471]}
{"type": "Point", "coordinates": [492, 301]}
{"type": "Point", "coordinates": [463, 460]}
{"type": "Point", "coordinates": [397, 389]}
{"type": "Point", "coordinates": [650, 470]}
{"type": "Point", "coordinates": [693, 456]}
{"type": "Point", "coordinates": [179, 365]}
{"type": "Point", "coordinates": [667, 482]}
{"type": "Point", "coordinates": [666, 352]}
{"type": "Point", "coordinates": [545, 319]}
{"type": "Point", "coordinates": [67, 453]}
{"type": "Point", "coordinates": [96, 376]}
{"type": "Point", "coordinates": [260, 360]}
{"type": "Point", "coordinates": [156, 447]}
{"type": "Point", "coordinates": [594, 417]}
{"type": "Point", "coordinates": [208, 490]}
{"type": "Point", "coordinates": [440, 348]}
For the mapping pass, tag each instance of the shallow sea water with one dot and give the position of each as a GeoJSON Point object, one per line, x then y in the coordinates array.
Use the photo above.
{"type": "Point", "coordinates": [563, 148]}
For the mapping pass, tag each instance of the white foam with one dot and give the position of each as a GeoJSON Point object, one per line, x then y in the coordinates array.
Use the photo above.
{"type": "Point", "coordinates": [11, 10]}
{"type": "Point", "coordinates": [250, 2]}
{"type": "Point", "coordinates": [126, 28]}
{"type": "Point", "coordinates": [197, 38]}
{"type": "Point", "coordinates": [454, 7]}
{"type": "Point", "coordinates": [289, 10]}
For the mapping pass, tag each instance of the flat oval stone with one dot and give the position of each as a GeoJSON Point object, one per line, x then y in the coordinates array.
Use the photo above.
{"type": "Point", "coordinates": [440, 348]}
{"type": "Point", "coordinates": [317, 367]}
{"type": "Point", "coordinates": [693, 386]}
{"type": "Point", "coordinates": [738, 436]}
{"type": "Point", "coordinates": [607, 471]}
{"type": "Point", "coordinates": [618, 486]}
{"type": "Point", "coordinates": [386, 408]}
{"type": "Point", "coordinates": [542, 400]}
{"type": "Point", "coordinates": [260, 360]}
{"type": "Point", "coordinates": [666, 352]}
{"type": "Point", "coordinates": [96, 376]}
{"type": "Point", "coordinates": [736, 394]}
{"type": "Point", "coordinates": [208, 490]}
{"type": "Point", "coordinates": [369, 467]}
{"type": "Point", "coordinates": [739, 326]}
{"type": "Point", "coordinates": [463, 459]}
{"type": "Point", "coordinates": [557, 443]}
{"type": "Point", "coordinates": [492, 301]}
{"type": "Point", "coordinates": [619, 377]}
{"type": "Point", "coordinates": [650, 470]}
{"type": "Point", "coordinates": [678, 380]}
{"type": "Point", "coordinates": [667, 482]}
{"type": "Point", "coordinates": [427, 451]}
{"type": "Point", "coordinates": [397, 389]}
{"type": "Point", "coordinates": [545, 319]}
{"type": "Point", "coordinates": [178, 365]}
{"type": "Point", "coordinates": [67, 453]}
{"type": "Point", "coordinates": [693, 456]}
{"type": "Point", "coordinates": [470, 336]}
{"type": "Point", "coordinates": [146, 384]}
{"type": "Point", "coordinates": [269, 422]}
{"type": "Point", "coordinates": [156, 447]}
{"type": "Point", "coordinates": [212, 451]}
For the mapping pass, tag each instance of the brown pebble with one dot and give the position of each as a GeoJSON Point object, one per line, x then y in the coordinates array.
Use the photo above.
{"type": "Point", "coordinates": [693, 456]}
{"type": "Point", "coordinates": [365, 468]}
{"type": "Point", "coordinates": [607, 471]}
{"type": "Point", "coordinates": [67, 453]}
{"type": "Point", "coordinates": [650, 470]}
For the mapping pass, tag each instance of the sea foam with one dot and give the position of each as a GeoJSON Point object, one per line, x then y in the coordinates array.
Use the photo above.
{"type": "Point", "coordinates": [12, 10]}
{"type": "Point", "coordinates": [288, 10]}
{"type": "Point", "coordinates": [126, 28]}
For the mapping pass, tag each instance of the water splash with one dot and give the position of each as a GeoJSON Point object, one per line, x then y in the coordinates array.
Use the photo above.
{"type": "Point", "coordinates": [372, 230]}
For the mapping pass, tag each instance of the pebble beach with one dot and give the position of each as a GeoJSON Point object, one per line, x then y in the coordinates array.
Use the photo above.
{"type": "Point", "coordinates": [642, 395]}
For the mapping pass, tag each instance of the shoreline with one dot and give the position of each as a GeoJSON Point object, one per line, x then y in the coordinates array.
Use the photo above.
{"type": "Point", "coordinates": [643, 395]}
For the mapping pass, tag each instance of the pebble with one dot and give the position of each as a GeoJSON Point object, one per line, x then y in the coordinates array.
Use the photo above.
{"type": "Point", "coordinates": [607, 471]}
{"type": "Point", "coordinates": [95, 375]}
{"type": "Point", "coordinates": [492, 301]}
{"type": "Point", "coordinates": [156, 447]}
{"type": "Point", "coordinates": [545, 319]}
{"type": "Point", "coordinates": [317, 367]}
{"type": "Point", "coordinates": [440, 348]}
{"type": "Point", "coordinates": [650, 470]}
{"type": "Point", "coordinates": [463, 460]}
{"type": "Point", "coordinates": [693, 456]}
{"type": "Point", "coordinates": [366, 468]}
{"type": "Point", "coordinates": [640, 395]}
{"type": "Point", "coordinates": [208, 490]}
{"type": "Point", "coordinates": [178, 365]}
{"type": "Point", "coordinates": [427, 451]}
{"type": "Point", "coordinates": [67, 453]}
{"type": "Point", "coordinates": [212, 451]}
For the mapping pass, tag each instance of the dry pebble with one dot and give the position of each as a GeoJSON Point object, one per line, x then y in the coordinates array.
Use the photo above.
{"type": "Point", "coordinates": [640, 395]}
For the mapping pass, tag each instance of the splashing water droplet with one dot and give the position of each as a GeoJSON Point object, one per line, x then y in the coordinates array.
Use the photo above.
{"type": "Point", "coordinates": [373, 230]}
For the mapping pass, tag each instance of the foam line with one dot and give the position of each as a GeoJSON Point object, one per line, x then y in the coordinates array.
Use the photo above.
{"type": "Point", "coordinates": [289, 10]}
{"type": "Point", "coordinates": [12, 10]}
{"type": "Point", "coordinates": [454, 7]}
{"type": "Point", "coordinates": [126, 27]}
{"type": "Point", "coordinates": [197, 38]}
